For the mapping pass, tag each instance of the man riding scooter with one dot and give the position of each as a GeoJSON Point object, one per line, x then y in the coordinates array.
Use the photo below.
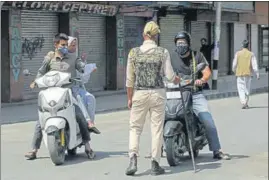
{"type": "Point", "coordinates": [59, 61]}
{"type": "Point", "coordinates": [185, 64]}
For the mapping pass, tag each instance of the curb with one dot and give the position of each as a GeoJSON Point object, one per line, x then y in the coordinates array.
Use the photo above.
{"type": "Point", "coordinates": [209, 97]}
{"type": "Point", "coordinates": [34, 101]}
{"type": "Point", "coordinates": [213, 96]}
{"type": "Point", "coordinates": [221, 95]}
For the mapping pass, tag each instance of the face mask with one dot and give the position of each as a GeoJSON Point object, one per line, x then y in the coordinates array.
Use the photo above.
{"type": "Point", "coordinates": [63, 50]}
{"type": "Point", "coordinates": [182, 49]}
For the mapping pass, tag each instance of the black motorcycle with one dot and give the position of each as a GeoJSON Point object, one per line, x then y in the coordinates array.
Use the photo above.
{"type": "Point", "coordinates": [183, 132]}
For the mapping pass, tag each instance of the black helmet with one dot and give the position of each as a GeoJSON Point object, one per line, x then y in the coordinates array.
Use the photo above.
{"type": "Point", "coordinates": [245, 44]}
{"type": "Point", "coordinates": [183, 35]}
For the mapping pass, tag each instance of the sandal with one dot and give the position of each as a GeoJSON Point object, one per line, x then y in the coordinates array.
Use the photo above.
{"type": "Point", "coordinates": [93, 129]}
{"type": "Point", "coordinates": [90, 154]}
{"type": "Point", "coordinates": [30, 155]}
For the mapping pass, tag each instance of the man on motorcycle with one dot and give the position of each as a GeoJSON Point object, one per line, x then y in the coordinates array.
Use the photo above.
{"type": "Point", "coordinates": [185, 65]}
{"type": "Point", "coordinates": [59, 61]}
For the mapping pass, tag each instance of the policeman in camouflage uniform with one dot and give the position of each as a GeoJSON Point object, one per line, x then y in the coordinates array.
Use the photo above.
{"type": "Point", "coordinates": [146, 67]}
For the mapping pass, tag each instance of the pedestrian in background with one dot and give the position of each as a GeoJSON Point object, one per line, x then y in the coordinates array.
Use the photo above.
{"type": "Point", "coordinates": [146, 67]}
{"type": "Point", "coordinates": [206, 50]}
{"type": "Point", "coordinates": [244, 64]}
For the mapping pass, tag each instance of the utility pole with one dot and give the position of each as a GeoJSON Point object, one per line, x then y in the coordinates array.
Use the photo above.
{"type": "Point", "coordinates": [216, 46]}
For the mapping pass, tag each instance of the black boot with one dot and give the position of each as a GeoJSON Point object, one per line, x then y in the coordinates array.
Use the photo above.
{"type": "Point", "coordinates": [156, 169]}
{"type": "Point", "coordinates": [132, 168]}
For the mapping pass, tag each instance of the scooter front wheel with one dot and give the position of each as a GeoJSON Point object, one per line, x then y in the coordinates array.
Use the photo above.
{"type": "Point", "coordinates": [56, 147]}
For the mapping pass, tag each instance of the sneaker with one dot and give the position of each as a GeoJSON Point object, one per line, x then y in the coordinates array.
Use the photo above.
{"type": "Point", "coordinates": [220, 155]}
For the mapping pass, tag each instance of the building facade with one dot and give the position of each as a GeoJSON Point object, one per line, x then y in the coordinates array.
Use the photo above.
{"type": "Point", "coordinates": [106, 32]}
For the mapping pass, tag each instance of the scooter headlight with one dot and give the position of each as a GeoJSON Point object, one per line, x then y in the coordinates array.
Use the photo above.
{"type": "Point", "coordinates": [52, 103]}
{"type": "Point", "coordinates": [51, 80]}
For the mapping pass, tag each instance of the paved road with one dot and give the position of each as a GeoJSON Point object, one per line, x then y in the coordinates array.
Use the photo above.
{"type": "Point", "coordinates": [114, 101]}
{"type": "Point", "coordinates": [243, 133]}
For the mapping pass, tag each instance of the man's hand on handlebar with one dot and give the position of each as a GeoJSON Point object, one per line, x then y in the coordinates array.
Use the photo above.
{"type": "Point", "coordinates": [199, 82]}
{"type": "Point", "coordinates": [32, 85]}
{"type": "Point", "coordinates": [176, 80]}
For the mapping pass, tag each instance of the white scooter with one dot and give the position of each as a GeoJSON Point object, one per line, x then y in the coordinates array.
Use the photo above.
{"type": "Point", "coordinates": [57, 114]}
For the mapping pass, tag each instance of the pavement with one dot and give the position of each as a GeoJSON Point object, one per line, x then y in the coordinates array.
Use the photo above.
{"type": "Point", "coordinates": [243, 134]}
{"type": "Point", "coordinates": [109, 101]}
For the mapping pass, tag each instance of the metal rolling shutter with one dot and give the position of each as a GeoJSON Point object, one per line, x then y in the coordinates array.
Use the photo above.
{"type": "Point", "coordinates": [265, 50]}
{"type": "Point", "coordinates": [254, 39]}
{"type": "Point", "coordinates": [133, 35]}
{"type": "Point", "coordinates": [38, 30]}
{"type": "Point", "coordinates": [133, 27]}
{"type": "Point", "coordinates": [198, 31]}
{"type": "Point", "coordinates": [223, 65]}
{"type": "Point", "coordinates": [133, 30]}
{"type": "Point", "coordinates": [240, 34]}
{"type": "Point", "coordinates": [170, 25]}
{"type": "Point", "coordinates": [92, 43]}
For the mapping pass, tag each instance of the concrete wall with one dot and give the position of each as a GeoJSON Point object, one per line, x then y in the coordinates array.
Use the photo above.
{"type": "Point", "coordinates": [16, 76]}
{"type": "Point", "coordinates": [262, 12]}
{"type": "Point", "coordinates": [238, 6]}
{"type": "Point", "coordinates": [5, 61]}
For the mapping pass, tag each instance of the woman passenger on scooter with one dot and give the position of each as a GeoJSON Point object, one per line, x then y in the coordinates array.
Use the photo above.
{"type": "Point", "coordinates": [88, 98]}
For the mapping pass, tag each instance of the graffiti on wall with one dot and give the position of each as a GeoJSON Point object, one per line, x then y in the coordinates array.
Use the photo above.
{"type": "Point", "coordinates": [120, 40]}
{"type": "Point", "coordinates": [16, 49]}
{"type": "Point", "coordinates": [30, 46]}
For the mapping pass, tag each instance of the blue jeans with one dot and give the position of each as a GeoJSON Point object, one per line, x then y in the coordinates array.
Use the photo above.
{"type": "Point", "coordinates": [88, 99]}
{"type": "Point", "coordinates": [200, 108]}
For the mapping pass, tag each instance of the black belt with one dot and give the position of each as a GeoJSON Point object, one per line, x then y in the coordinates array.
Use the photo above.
{"type": "Point", "coordinates": [148, 88]}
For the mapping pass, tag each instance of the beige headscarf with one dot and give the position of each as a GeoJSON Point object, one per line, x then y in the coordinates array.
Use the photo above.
{"type": "Point", "coordinates": [70, 40]}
